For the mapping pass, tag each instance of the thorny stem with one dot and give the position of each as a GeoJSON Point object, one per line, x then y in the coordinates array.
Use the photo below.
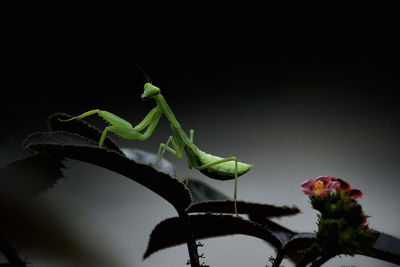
{"type": "Point", "coordinates": [191, 242]}
{"type": "Point", "coordinates": [316, 259]}
{"type": "Point", "coordinates": [324, 258]}
{"type": "Point", "coordinates": [11, 255]}
{"type": "Point", "coordinates": [309, 257]}
{"type": "Point", "coordinates": [279, 257]}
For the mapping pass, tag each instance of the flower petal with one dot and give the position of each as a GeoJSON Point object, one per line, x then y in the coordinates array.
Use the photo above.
{"type": "Point", "coordinates": [308, 192]}
{"type": "Point", "coordinates": [355, 193]}
{"type": "Point", "coordinates": [333, 185]}
{"type": "Point", "coordinates": [344, 186]}
{"type": "Point", "coordinates": [309, 184]}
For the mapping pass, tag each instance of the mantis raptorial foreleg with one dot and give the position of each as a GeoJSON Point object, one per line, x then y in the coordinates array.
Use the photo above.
{"type": "Point", "coordinates": [133, 133]}
{"type": "Point", "coordinates": [206, 166]}
{"type": "Point", "coordinates": [150, 117]}
{"type": "Point", "coordinates": [191, 135]}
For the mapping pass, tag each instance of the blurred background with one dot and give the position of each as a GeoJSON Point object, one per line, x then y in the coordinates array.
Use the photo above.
{"type": "Point", "coordinates": [299, 90]}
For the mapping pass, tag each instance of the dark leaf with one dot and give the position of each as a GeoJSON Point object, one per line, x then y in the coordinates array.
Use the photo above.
{"type": "Point", "coordinates": [386, 248]}
{"type": "Point", "coordinates": [283, 233]}
{"type": "Point", "coordinates": [298, 245]}
{"type": "Point", "coordinates": [227, 206]}
{"type": "Point", "coordinates": [203, 192]}
{"type": "Point", "coordinates": [171, 232]}
{"type": "Point", "coordinates": [57, 122]}
{"type": "Point", "coordinates": [300, 241]}
{"type": "Point", "coordinates": [144, 157]}
{"type": "Point", "coordinates": [63, 144]}
{"type": "Point", "coordinates": [30, 176]}
{"type": "Point", "coordinates": [208, 199]}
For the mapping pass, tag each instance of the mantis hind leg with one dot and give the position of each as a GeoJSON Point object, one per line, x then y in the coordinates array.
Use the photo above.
{"type": "Point", "coordinates": [84, 115]}
{"type": "Point", "coordinates": [104, 134]}
{"type": "Point", "coordinates": [108, 116]}
{"type": "Point", "coordinates": [234, 159]}
{"type": "Point", "coordinates": [124, 132]}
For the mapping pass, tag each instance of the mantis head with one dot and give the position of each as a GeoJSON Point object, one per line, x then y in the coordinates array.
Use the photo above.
{"type": "Point", "coordinates": [150, 91]}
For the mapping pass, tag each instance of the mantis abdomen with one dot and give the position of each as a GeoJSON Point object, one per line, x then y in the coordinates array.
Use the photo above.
{"type": "Point", "coordinates": [221, 171]}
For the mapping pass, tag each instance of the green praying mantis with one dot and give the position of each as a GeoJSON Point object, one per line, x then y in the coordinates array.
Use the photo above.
{"type": "Point", "coordinates": [210, 165]}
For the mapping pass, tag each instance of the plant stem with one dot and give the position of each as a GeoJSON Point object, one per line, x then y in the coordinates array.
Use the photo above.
{"type": "Point", "coordinates": [191, 242]}
{"type": "Point", "coordinates": [323, 259]}
{"type": "Point", "coordinates": [279, 258]}
{"type": "Point", "coordinates": [309, 257]}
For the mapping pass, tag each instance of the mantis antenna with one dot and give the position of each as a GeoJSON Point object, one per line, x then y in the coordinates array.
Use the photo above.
{"type": "Point", "coordinates": [136, 64]}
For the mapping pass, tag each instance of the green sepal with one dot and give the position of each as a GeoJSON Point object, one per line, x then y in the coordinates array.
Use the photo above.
{"type": "Point", "coordinates": [341, 224]}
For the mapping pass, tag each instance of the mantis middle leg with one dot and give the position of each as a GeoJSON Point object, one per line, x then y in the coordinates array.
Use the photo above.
{"type": "Point", "coordinates": [177, 151]}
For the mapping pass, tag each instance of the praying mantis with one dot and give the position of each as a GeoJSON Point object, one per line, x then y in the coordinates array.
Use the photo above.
{"type": "Point", "coordinates": [210, 165]}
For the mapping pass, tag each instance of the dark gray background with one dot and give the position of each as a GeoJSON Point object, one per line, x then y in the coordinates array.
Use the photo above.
{"type": "Point", "coordinates": [299, 90]}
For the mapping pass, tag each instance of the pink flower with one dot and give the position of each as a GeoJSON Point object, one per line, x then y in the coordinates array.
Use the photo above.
{"type": "Point", "coordinates": [320, 186]}
{"type": "Point", "coordinates": [326, 184]}
{"type": "Point", "coordinates": [345, 187]}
